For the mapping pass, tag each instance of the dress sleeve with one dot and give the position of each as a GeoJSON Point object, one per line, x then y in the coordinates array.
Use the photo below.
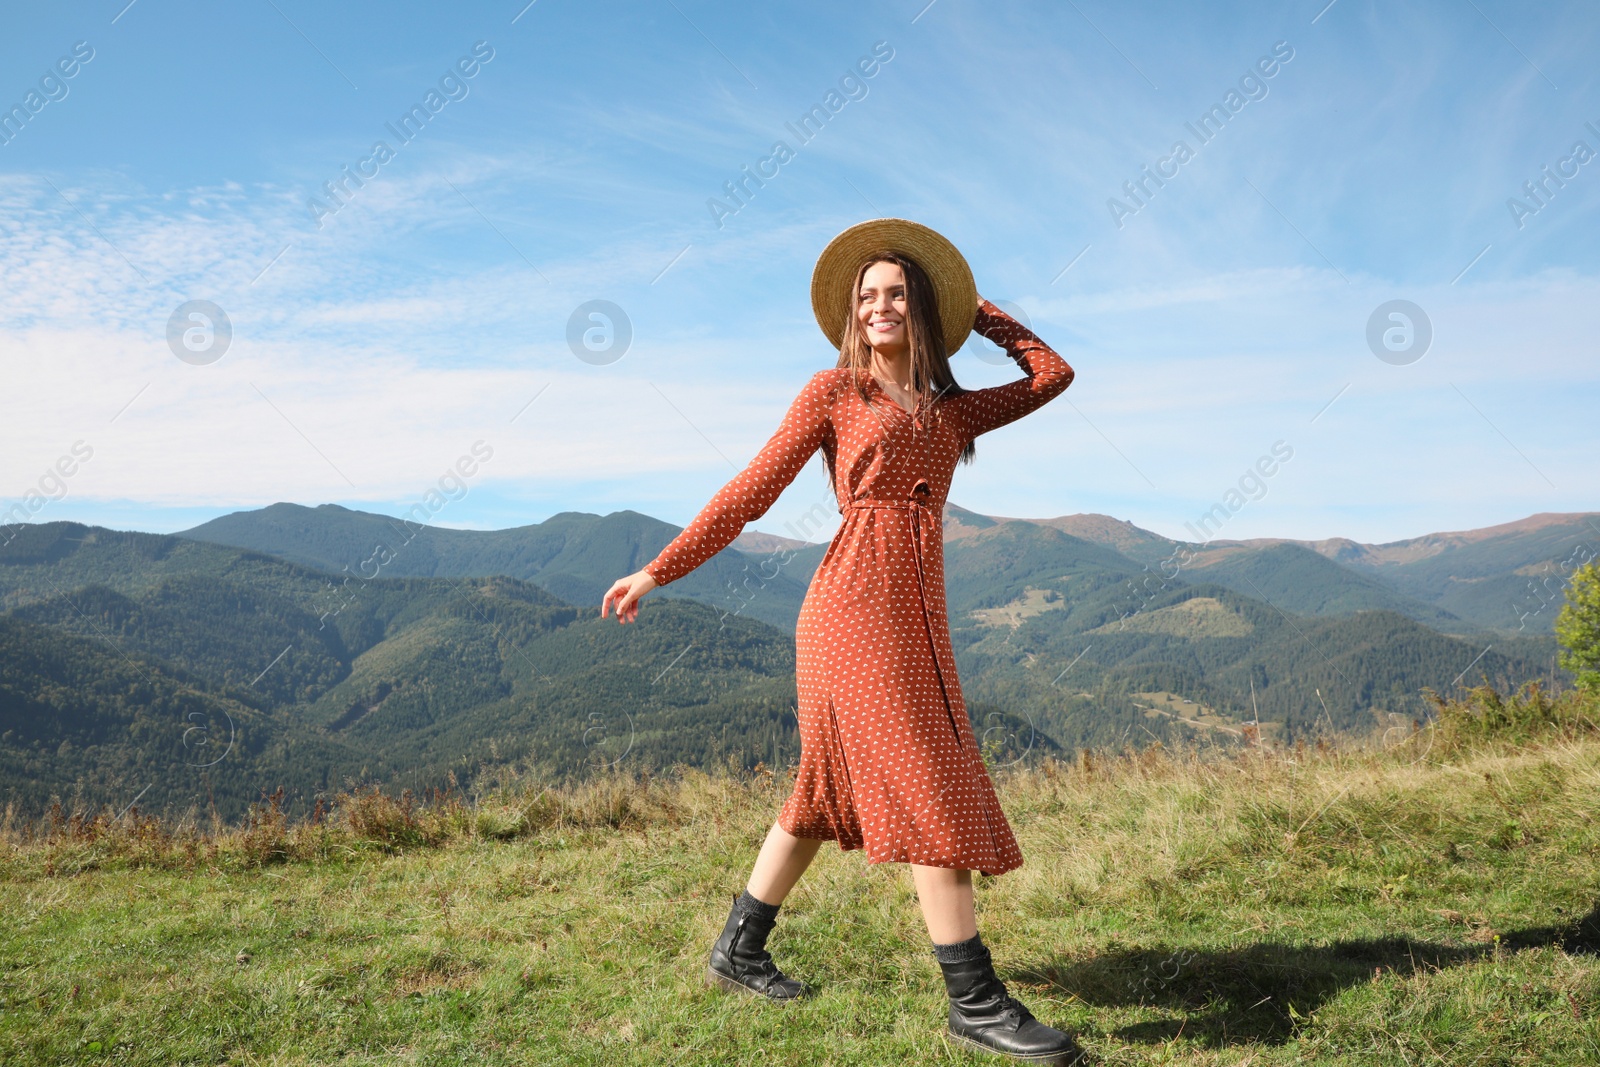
{"type": "Point", "coordinates": [1049, 375]}
{"type": "Point", "coordinates": [748, 496]}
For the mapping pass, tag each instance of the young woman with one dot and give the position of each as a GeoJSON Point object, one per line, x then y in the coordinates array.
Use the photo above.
{"type": "Point", "coordinates": [888, 760]}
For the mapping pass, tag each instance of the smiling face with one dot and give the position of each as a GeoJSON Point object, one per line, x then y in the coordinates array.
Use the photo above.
{"type": "Point", "coordinates": [881, 307]}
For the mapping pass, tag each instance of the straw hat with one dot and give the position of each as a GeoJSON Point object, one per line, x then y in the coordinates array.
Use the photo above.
{"type": "Point", "coordinates": [835, 274]}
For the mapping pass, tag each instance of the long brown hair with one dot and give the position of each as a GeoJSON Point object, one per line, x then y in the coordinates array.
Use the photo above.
{"type": "Point", "coordinates": [931, 378]}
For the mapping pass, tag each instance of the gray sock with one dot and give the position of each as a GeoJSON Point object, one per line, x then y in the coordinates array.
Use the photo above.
{"type": "Point", "coordinates": [961, 951]}
{"type": "Point", "coordinates": [765, 913]}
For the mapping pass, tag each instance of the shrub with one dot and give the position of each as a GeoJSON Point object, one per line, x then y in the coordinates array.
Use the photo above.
{"type": "Point", "coordinates": [1486, 714]}
{"type": "Point", "coordinates": [398, 823]}
{"type": "Point", "coordinates": [1578, 627]}
{"type": "Point", "coordinates": [265, 837]}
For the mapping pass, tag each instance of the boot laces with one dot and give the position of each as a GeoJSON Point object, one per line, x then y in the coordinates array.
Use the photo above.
{"type": "Point", "coordinates": [1009, 1008]}
{"type": "Point", "coordinates": [768, 970]}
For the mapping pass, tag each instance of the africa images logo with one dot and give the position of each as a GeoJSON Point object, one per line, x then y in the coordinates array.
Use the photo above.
{"type": "Point", "coordinates": [52, 88]}
{"type": "Point", "coordinates": [1252, 86]}
{"type": "Point", "coordinates": [852, 86]}
{"type": "Point", "coordinates": [453, 85]}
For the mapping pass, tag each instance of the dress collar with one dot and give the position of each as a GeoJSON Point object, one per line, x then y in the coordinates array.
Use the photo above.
{"type": "Point", "coordinates": [872, 384]}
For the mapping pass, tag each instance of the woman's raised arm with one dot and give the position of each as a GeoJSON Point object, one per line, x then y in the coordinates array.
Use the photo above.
{"type": "Point", "coordinates": [751, 492]}
{"type": "Point", "coordinates": [1048, 375]}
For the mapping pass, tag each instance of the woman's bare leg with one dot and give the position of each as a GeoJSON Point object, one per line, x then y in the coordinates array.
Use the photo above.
{"type": "Point", "coordinates": [783, 859]}
{"type": "Point", "coordinates": [946, 899]}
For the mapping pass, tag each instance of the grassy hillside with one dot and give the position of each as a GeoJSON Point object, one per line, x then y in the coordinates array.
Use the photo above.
{"type": "Point", "coordinates": [1509, 577]}
{"type": "Point", "coordinates": [1433, 902]}
{"type": "Point", "coordinates": [1070, 655]}
{"type": "Point", "coordinates": [1302, 582]}
{"type": "Point", "coordinates": [1505, 577]}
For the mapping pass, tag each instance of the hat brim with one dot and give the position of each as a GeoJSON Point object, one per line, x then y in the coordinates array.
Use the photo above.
{"type": "Point", "coordinates": [835, 275]}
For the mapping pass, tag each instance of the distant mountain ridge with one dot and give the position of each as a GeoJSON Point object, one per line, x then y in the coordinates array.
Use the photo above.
{"type": "Point", "coordinates": [1496, 578]}
{"type": "Point", "coordinates": [1414, 549]}
{"type": "Point", "coordinates": [574, 555]}
{"type": "Point", "coordinates": [329, 644]}
{"type": "Point", "coordinates": [1123, 535]}
{"type": "Point", "coordinates": [1108, 568]}
{"type": "Point", "coordinates": [178, 672]}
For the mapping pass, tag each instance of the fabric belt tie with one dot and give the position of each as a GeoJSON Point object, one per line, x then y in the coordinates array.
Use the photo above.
{"type": "Point", "coordinates": [896, 502]}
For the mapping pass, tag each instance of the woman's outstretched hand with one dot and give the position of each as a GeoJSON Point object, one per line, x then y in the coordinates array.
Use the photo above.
{"type": "Point", "coordinates": [626, 593]}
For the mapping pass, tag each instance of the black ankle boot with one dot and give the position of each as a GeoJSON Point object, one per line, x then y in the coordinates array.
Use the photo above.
{"type": "Point", "coordinates": [740, 960]}
{"type": "Point", "coordinates": [984, 1016]}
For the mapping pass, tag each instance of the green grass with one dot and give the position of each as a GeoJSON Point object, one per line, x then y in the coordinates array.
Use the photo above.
{"type": "Point", "coordinates": [1431, 903]}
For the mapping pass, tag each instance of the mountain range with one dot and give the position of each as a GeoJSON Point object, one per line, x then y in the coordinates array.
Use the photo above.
{"type": "Point", "coordinates": [321, 647]}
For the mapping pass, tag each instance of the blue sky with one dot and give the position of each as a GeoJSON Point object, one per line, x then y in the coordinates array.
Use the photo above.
{"type": "Point", "coordinates": [376, 338]}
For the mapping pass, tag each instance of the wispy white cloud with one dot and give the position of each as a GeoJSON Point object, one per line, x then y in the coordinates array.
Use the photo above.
{"type": "Point", "coordinates": [425, 313]}
{"type": "Point", "coordinates": [338, 391]}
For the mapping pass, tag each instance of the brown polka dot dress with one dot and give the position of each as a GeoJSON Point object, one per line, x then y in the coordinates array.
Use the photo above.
{"type": "Point", "coordinates": [888, 760]}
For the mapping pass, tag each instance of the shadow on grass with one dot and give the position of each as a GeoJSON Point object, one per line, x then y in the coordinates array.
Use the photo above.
{"type": "Point", "coordinates": [1253, 994]}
